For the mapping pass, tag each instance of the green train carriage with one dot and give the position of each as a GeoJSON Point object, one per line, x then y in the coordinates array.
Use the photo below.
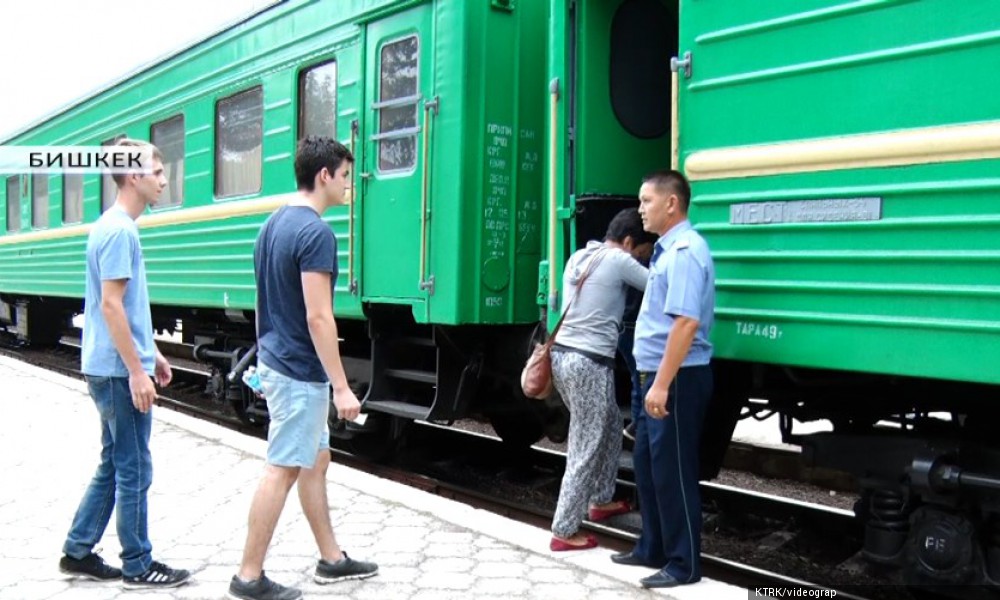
{"type": "Point", "coordinates": [439, 249]}
{"type": "Point", "coordinates": [843, 159]}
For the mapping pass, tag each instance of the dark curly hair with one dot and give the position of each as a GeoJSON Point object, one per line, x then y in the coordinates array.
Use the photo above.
{"type": "Point", "coordinates": [313, 154]}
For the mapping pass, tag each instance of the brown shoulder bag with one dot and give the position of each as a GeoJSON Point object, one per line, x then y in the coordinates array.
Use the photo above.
{"type": "Point", "coordinates": [536, 377]}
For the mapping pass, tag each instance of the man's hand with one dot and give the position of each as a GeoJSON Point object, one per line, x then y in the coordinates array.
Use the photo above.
{"type": "Point", "coordinates": [143, 391]}
{"type": "Point", "coordinates": [163, 373]}
{"type": "Point", "coordinates": [656, 402]}
{"type": "Point", "coordinates": [348, 407]}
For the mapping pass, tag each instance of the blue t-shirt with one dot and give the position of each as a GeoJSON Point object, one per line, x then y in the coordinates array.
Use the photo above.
{"type": "Point", "coordinates": [294, 240]}
{"type": "Point", "coordinates": [681, 283]}
{"type": "Point", "coordinates": [113, 252]}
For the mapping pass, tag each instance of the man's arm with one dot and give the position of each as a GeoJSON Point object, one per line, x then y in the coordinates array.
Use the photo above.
{"type": "Point", "coordinates": [323, 331]}
{"type": "Point", "coordinates": [678, 343]}
{"type": "Point", "coordinates": [113, 310]}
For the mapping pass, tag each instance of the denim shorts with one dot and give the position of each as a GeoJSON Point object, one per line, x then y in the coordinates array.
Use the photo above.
{"type": "Point", "coordinates": [299, 412]}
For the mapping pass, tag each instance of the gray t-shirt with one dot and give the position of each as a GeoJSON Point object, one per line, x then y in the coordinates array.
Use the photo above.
{"type": "Point", "coordinates": [593, 322]}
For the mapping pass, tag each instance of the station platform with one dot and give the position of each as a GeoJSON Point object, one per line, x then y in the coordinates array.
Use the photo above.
{"type": "Point", "coordinates": [427, 547]}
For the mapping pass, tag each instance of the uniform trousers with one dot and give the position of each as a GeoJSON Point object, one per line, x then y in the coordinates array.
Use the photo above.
{"type": "Point", "coordinates": [666, 475]}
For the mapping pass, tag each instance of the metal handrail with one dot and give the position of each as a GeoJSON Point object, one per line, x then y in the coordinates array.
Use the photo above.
{"type": "Point", "coordinates": [397, 102]}
{"type": "Point", "coordinates": [425, 214]}
{"type": "Point", "coordinates": [675, 121]}
{"type": "Point", "coordinates": [396, 134]}
{"type": "Point", "coordinates": [355, 198]}
{"type": "Point", "coordinates": [553, 196]}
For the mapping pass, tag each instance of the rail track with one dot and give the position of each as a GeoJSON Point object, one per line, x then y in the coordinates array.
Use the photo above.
{"type": "Point", "coordinates": [430, 464]}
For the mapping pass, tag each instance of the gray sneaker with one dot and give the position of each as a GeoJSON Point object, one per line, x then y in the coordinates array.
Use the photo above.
{"type": "Point", "coordinates": [261, 589]}
{"type": "Point", "coordinates": [344, 569]}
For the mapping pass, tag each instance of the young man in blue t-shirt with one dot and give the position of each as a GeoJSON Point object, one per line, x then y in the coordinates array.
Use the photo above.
{"type": "Point", "coordinates": [295, 263]}
{"type": "Point", "coordinates": [120, 361]}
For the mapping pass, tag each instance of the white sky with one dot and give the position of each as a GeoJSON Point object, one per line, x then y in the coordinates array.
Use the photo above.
{"type": "Point", "coordinates": [53, 52]}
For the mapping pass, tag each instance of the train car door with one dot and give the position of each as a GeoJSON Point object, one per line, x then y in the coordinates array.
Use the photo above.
{"type": "Point", "coordinates": [399, 71]}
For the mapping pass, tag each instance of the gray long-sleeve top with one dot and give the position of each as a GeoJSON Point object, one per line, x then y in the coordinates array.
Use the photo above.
{"type": "Point", "coordinates": [593, 321]}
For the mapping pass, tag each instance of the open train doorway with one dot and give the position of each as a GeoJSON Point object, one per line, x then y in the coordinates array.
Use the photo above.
{"type": "Point", "coordinates": [613, 121]}
{"type": "Point", "coordinates": [618, 101]}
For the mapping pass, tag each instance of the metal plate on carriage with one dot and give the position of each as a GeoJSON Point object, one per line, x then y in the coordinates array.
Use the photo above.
{"type": "Point", "coordinates": [831, 210]}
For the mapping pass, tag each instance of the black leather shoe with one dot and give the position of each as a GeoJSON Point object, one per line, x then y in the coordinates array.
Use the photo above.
{"type": "Point", "coordinates": [628, 558]}
{"type": "Point", "coordinates": [660, 579]}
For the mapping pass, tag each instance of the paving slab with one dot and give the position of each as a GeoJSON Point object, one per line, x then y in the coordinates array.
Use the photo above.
{"type": "Point", "coordinates": [427, 547]}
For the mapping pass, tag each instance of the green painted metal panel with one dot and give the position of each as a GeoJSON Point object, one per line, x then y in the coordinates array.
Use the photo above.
{"type": "Point", "coordinates": [507, 142]}
{"type": "Point", "coordinates": [399, 66]}
{"type": "Point", "coordinates": [912, 292]}
{"type": "Point", "coordinates": [51, 268]}
{"type": "Point", "coordinates": [557, 169]}
{"type": "Point", "coordinates": [608, 158]}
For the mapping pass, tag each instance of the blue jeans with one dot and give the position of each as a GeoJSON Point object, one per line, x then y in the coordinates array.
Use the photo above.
{"type": "Point", "coordinates": [122, 479]}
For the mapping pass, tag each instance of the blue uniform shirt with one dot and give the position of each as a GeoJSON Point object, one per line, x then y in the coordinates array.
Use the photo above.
{"type": "Point", "coordinates": [113, 252]}
{"type": "Point", "coordinates": [681, 283]}
{"type": "Point", "coordinates": [294, 240]}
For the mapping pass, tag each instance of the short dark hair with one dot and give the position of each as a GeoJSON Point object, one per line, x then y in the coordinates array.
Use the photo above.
{"type": "Point", "coordinates": [119, 178]}
{"type": "Point", "coordinates": [669, 181]}
{"type": "Point", "coordinates": [313, 154]}
{"type": "Point", "coordinates": [628, 223]}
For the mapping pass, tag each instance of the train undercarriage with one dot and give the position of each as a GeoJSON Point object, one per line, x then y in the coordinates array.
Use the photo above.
{"type": "Point", "coordinates": [404, 371]}
{"type": "Point", "coordinates": [924, 452]}
{"type": "Point", "coordinates": [927, 460]}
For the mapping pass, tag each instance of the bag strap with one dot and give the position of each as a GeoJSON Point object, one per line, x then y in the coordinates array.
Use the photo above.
{"type": "Point", "coordinates": [594, 261]}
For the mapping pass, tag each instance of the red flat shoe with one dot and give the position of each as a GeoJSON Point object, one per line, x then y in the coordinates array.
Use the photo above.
{"type": "Point", "coordinates": [600, 514]}
{"type": "Point", "coordinates": [558, 545]}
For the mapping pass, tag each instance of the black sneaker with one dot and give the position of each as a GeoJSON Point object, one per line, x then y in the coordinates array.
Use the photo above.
{"type": "Point", "coordinates": [261, 589]}
{"type": "Point", "coordinates": [158, 575]}
{"type": "Point", "coordinates": [91, 566]}
{"type": "Point", "coordinates": [344, 569]}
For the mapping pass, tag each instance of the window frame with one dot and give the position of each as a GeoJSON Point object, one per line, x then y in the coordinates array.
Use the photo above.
{"type": "Point", "coordinates": [107, 178]}
{"type": "Point", "coordinates": [65, 196]}
{"type": "Point", "coordinates": [379, 105]}
{"type": "Point", "coordinates": [638, 123]}
{"type": "Point", "coordinates": [152, 127]}
{"type": "Point", "coordinates": [259, 87]}
{"type": "Point", "coordinates": [35, 178]}
{"type": "Point", "coordinates": [300, 110]}
{"type": "Point", "coordinates": [18, 178]}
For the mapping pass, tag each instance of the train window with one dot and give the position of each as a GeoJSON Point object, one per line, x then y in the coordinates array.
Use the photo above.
{"type": "Point", "coordinates": [397, 105]}
{"type": "Point", "coordinates": [239, 137]}
{"type": "Point", "coordinates": [73, 198]}
{"type": "Point", "coordinates": [109, 191]}
{"type": "Point", "coordinates": [40, 201]}
{"type": "Point", "coordinates": [318, 101]}
{"type": "Point", "coordinates": [14, 203]}
{"type": "Point", "coordinates": [168, 136]}
{"type": "Point", "coordinates": [640, 79]}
